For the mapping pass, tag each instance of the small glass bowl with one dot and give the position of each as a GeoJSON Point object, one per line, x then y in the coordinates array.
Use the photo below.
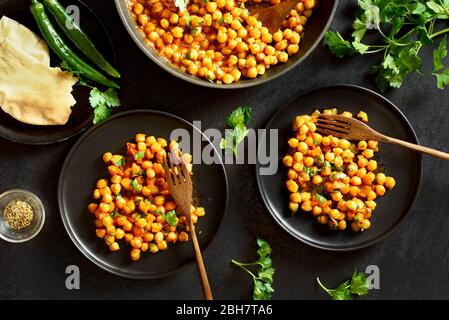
{"type": "Point", "coordinates": [17, 236]}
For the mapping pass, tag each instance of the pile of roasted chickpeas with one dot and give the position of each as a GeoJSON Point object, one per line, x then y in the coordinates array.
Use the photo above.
{"type": "Point", "coordinates": [335, 179]}
{"type": "Point", "coordinates": [219, 40]}
{"type": "Point", "coordinates": [134, 203]}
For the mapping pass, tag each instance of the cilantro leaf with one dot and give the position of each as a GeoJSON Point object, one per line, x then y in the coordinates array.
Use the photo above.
{"type": "Point", "coordinates": [171, 217]}
{"type": "Point", "coordinates": [358, 283]}
{"type": "Point", "coordinates": [263, 281]}
{"type": "Point", "coordinates": [101, 113]}
{"type": "Point", "coordinates": [96, 98]}
{"type": "Point", "coordinates": [111, 99]}
{"type": "Point", "coordinates": [339, 46]}
{"type": "Point", "coordinates": [239, 116]}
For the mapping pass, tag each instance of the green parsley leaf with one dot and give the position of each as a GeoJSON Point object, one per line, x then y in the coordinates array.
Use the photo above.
{"type": "Point", "coordinates": [264, 248]}
{"type": "Point", "coordinates": [442, 79]}
{"type": "Point", "coordinates": [262, 290]}
{"type": "Point", "coordinates": [263, 281]}
{"type": "Point", "coordinates": [358, 283]}
{"type": "Point", "coordinates": [171, 217]}
{"type": "Point", "coordinates": [237, 120]}
{"type": "Point", "coordinates": [339, 46]}
{"type": "Point", "coordinates": [403, 28]}
{"type": "Point", "coordinates": [239, 116]}
{"type": "Point", "coordinates": [139, 155]}
{"type": "Point", "coordinates": [360, 47]}
{"type": "Point", "coordinates": [423, 35]}
{"type": "Point", "coordinates": [346, 290]}
{"type": "Point", "coordinates": [439, 54]}
{"type": "Point", "coordinates": [266, 274]}
{"type": "Point", "coordinates": [342, 292]}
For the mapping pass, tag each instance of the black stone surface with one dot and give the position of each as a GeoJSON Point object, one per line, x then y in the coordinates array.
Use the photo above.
{"type": "Point", "coordinates": [412, 261]}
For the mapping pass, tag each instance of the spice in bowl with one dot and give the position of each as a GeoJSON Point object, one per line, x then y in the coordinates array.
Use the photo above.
{"type": "Point", "coordinates": [18, 214]}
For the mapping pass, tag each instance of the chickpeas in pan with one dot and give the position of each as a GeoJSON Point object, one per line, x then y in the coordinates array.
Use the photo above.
{"type": "Point", "coordinates": [336, 180]}
{"type": "Point", "coordinates": [219, 40]}
{"type": "Point", "coordinates": [134, 205]}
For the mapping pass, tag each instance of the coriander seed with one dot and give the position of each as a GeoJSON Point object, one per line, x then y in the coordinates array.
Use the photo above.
{"type": "Point", "coordinates": [18, 214]}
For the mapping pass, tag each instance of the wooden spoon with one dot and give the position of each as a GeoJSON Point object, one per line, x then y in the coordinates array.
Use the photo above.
{"type": "Point", "coordinates": [272, 17]}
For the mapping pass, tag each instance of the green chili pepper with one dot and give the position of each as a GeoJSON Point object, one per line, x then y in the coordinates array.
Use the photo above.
{"type": "Point", "coordinates": [78, 37]}
{"type": "Point", "coordinates": [57, 44]}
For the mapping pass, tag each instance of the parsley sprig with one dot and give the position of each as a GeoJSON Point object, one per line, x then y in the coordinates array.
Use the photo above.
{"type": "Point", "coordinates": [237, 120]}
{"type": "Point", "coordinates": [263, 281]}
{"type": "Point", "coordinates": [349, 288]}
{"type": "Point", "coordinates": [404, 28]}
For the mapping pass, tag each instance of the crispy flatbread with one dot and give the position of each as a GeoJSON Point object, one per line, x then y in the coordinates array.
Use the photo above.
{"type": "Point", "coordinates": [25, 39]}
{"type": "Point", "coordinates": [30, 90]}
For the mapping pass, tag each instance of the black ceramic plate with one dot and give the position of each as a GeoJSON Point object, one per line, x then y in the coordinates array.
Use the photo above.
{"type": "Point", "coordinates": [81, 116]}
{"type": "Point", "coordinates": [84, 166]}
{"type": "Point", "coordinates": [400, 163]}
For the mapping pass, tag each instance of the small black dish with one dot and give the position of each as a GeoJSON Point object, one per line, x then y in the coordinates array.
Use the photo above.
{"type": "Point", "coordinates": [403, 164]}
{"type": "Point", "coordinates": [84, 166]}
{"type": "Point", "coordinates": [81, 117]}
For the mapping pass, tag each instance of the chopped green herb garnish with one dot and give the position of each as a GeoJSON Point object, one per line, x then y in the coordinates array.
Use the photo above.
{"type": "Point", "coordinates": [139, 155]}
{"type": "Point", "coordinates": [310, 171]}
{"type": "Point", "coordinates": [338, 175]}
{"type": "Point", "coordinates": [171, 217]}
{"type": "Point", "coordinates": [320, 198]}
{"type": "Point", "coordinates": [136, 185]}
{"type": "Point", "coordinates": [119, 163]}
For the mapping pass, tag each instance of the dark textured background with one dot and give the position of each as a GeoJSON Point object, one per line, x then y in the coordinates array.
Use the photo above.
{"type": "Point", "coordinates": [412, 261]}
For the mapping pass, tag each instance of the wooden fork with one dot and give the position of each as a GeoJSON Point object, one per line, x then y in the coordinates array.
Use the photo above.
{"type": "Point", "coordinates": [180, 186]}
{"type": "Point", "coordinates": [353, 129]}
